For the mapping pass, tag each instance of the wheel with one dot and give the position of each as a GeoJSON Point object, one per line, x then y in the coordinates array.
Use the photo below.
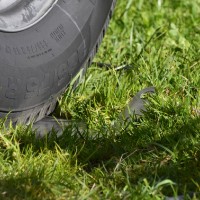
{"type": "Point", "coordinates": [43, 45]}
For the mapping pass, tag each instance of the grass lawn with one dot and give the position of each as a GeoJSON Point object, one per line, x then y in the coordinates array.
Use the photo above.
{"type": "Point", "coordinates": [152, 157]}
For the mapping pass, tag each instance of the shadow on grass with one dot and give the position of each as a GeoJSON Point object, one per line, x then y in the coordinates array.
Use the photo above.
{"type": "Point", "coordinates": [174, 155]}
{"type": "Point", "coordinates": [24, 187]}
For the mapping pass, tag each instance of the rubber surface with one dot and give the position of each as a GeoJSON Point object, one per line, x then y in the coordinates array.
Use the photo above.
{"type": "Point", "coordinates": [37, 64]}
{"type": "Point", "coordinates": [137, 104]}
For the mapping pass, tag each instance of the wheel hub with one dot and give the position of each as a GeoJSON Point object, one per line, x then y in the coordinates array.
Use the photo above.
{"type": "Point", "coordinates": [18, 15]}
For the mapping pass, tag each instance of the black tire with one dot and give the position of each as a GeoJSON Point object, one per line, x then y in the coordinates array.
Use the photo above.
{"type": "Point", "coordinates": [38, 63]}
